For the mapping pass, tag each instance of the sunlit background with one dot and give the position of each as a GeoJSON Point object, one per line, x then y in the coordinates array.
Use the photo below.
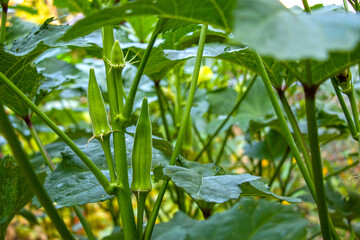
{"type": "Point", "coordinates": [291, 3]}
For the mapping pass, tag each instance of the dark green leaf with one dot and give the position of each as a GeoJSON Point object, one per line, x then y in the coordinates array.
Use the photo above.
{"type": "Point", "coordinates": [14, 192]}
{"type": "Point", "coordinates": [248, 220]}
{"type": "Point", "coordinates": [213, 12]}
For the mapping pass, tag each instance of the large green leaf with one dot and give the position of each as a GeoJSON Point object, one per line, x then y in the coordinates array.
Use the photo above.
{"type": "Point", "coordinates": [14, 192]}
{"type": "Point", "coordinates": [272, 29]}
{"type": "Point", "coordinates": [201, 185]}
{"type": "Point", "coordinates": [213, 12]}
{"type": "Point", "coordinates": [23, 75]}
{"type": "Point", "coordinates": [248, 220]}
{"type": "Point", "coordinates": [72, 183]}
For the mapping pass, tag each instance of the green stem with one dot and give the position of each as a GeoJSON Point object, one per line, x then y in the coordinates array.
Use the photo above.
{"type": "Point", "coordinates": [236, 106]}
{"type": "Point", "coordinates": [97, 4]}
{"type": "Point", "coordinates": [131, 96]}
{"type": "Point", "coordinates": [8, 132]}
{"type": "Point", "coordinates": [93, 168]}
{"type": "Point", "coordinates": [178, 146]}
{"type": "Point", "coordinates": [119, 88]}
{"type": "Point", "coordinates": [354, 109]}
{"type": "Point", "coordinates": [316, 161]}
{"type": "Point", "coordinates": [283, 124]}
{"type": "Point", "coordinates": [141, 200]}
{"type": "Point", "coordinates": [349, 120]}
{"type": "Point", "coordinates": [3, 22]}
{"type": "Point", "coordinates": [123, 193]}
{"type": "Point", "coordinates": [298, 137]}
{"type": "Point", "coordinates": [277, 170]}
{"type": "Point", "coordinates": [105, 144]}
{"type": "Point", "coordinates": [218, 158]}
{"type": "Point", "coordinates": [202, 143]}
{"type": "Point", "coordinates": [178, 100]}
{"type": "Point", "coordinates": [306, 6]}
{"type": "Point", "coordinates": [84, 223]}
{"type": "Point", "coordinates": [38, 142]}
{"type": "Point", "coordinates": [162, 110]}
{"type": "Point", "coordinates": [346, 6]}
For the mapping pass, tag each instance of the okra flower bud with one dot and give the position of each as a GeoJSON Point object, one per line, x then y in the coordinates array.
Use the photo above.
{"type": "Point", "coordinates": [344, 80]}
{"type": "Point", "coordinates": [117, 56]}
{"type": "Point", "coordinates": [97, 110]}
{"type": "Point", "coordinates": [142, 152]}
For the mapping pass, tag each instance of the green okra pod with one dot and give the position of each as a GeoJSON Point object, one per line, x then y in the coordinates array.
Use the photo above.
{"type": "Point", "coordinates": [98, 116]}
{"type": "Point", "coordinates": [142, 152]}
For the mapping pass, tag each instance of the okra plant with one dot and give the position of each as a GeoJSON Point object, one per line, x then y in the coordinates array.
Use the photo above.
{"type": "Point", "coordinates": [201, 119]}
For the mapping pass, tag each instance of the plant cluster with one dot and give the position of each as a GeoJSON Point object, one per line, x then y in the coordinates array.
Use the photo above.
{"type": "Point", "coordinates": [227, 112]}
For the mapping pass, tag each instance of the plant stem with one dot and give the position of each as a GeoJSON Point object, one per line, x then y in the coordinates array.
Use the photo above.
{"type": "Point", "coordinates": [123, 193]}
{"type": "Point", "coordinates": [283, 124]}
{"type": "Point", "coordinates": [84, 223]}
{"type": "Point", "coordinates": [299, 138]}
{"type": "Point", "coordinates": [316, 161]}
{"type": "Point", "coordinates": [162, 110]}
{"type": "Point", "coordinates": [349, 120]}
{"type": "Point", "coordinates": [354, 109]}
{"type": "Point", "coordinates": [218, 158]}
{"type": "Point", "coordinates": [346, 6]}
{"type": "Point", "coordinates": [141, 200]}
{"type": "Point", "coordinates": [306, 6]}
{"type": "Point", "coordinates": [236, 106]}
{"type": "Point", "coordinates": [119, 89]}
{"type": "Point", "coordinates": [131, 96]}
{"type": "Point", "coordinates": [93, 168]}
{"type": "Point", "coordinates": [277, 170]}
{"type": "Point", "coordinates": [3, 22]}
{"type": "Point", "coordinates": [202, 143]}
{"type": "Point", "coordinates": [178, 146]}
{"type": "Point", "coordinates": [38, 142]}
{"type": "Point", "coordinates": [8, 132]}
{"type": "Point", "coordinates": [105, 144]}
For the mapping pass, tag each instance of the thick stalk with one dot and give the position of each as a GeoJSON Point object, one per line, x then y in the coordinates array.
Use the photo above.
{"type": "Point", "coordinates": [236, 106]}
{"type": "Point", "coordinates": [93, 168]}
{"type": "Point", "coordinates": [283, 124]}
{"type": "Point", "coordinates": [38, 142]}
{"type": "Point", "coordinates": [3, 22]}
{"type": "Point", "coordinates": [105, 144]}
{"type": "Point", "coordinates": [178, 100]}
{"type": "Point", "coordinates": [119, 88]}
{"type": "Point", "coordinates": [162, 110]}
{"type": "Point", "coordinates": [316, 161]}
{"type": "Point", "coordinates": [346, 6]}
{"type": "Point", "coordinates": [123, 193]}
{"type": "Point", "coordinates": [8, 132]}
{"type": "Point", "coordinates": [299, 138]}
{"type": "Point", "coordinates": [349, 120]}
{"type": "Point", "coordinates": [182, 130]}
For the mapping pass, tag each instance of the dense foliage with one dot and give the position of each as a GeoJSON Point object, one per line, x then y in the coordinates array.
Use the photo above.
{"type": "Point", "coordinates": [201, 119]}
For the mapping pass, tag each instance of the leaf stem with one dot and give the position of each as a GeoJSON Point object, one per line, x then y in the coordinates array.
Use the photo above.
{"type": "Point", "coordinates": [306, 6]}
{"type": "Point", "coordinates": [316, 160]}
{"type": "Point", "coordinates": [354, 109]}
{"type": "Point", "coordinates": [236, 106]}
{"type": "Point", "coordinates": [185, 118]}
{"type": "Point", "coordinates": [218, 157]}
{"type": "Point", "coordinates": [93, 168]}
{"type": "Point", "coordinates": [283, 124]}
{"type": "Point", "coordinates": [141, 200]}
{"type": "Point", "coordinates": [3, 22]}
{"type": "Point", "coordinates": [298, 137]}
{"type": "Point", "coordinates": [162, 110]}
{"type": "Point", "coordinates": [84, 223]}
{"type": "Point", "coordinates": [131, 96]}
{"type": "Point", "coordinates": [105, 144]}
{"type": "Point", "coordinates": [349, 120]}
{"type": "Point", "coordinates": [8, 132]}
{"type": "Point", "coordinates": [278, 167]}
{"type": "Point", "coordinates": [38, 142]}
